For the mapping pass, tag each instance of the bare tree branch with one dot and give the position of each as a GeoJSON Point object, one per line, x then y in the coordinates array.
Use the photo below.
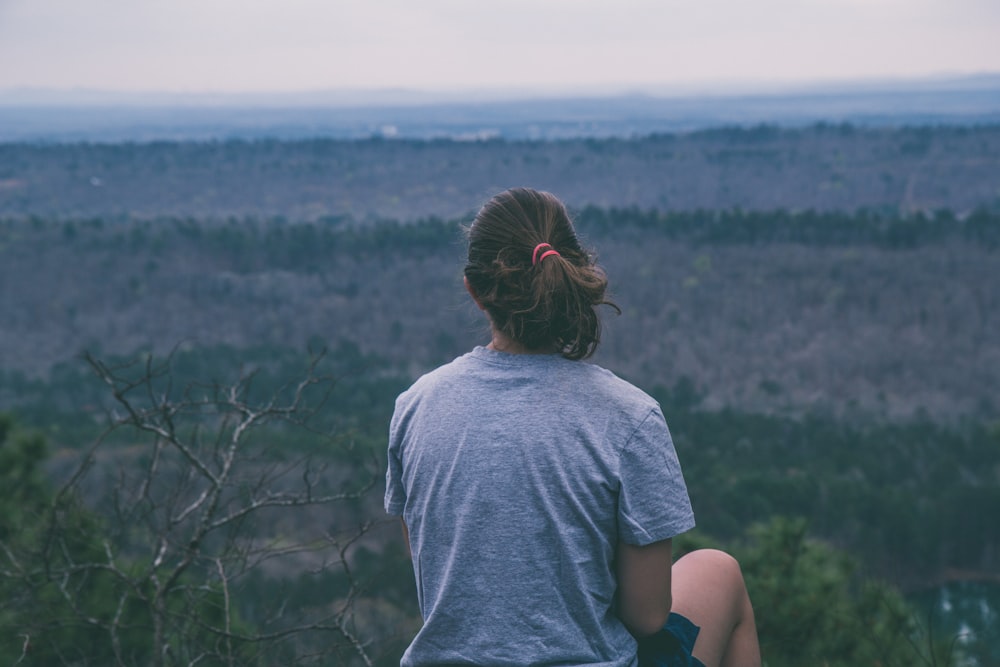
{"type": "Point", "coordinates": [199, 503]}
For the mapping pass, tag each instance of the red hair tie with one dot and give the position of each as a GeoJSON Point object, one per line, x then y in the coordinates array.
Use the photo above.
{"type": "Point", "coordinates": [535, 259]}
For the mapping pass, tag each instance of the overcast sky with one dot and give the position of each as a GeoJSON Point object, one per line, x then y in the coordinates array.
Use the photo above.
{"type": "Point", "coordinates": [301, 45]}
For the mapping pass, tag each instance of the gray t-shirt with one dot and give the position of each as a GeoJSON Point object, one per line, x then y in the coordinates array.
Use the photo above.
{"type": "Point", "coordinates": [517, 475]}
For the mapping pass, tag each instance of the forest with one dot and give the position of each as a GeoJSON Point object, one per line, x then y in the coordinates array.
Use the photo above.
{"type": "Point", "coordinates": [819, 167]}
{"type": "Point", "coordinates": [196, 393]}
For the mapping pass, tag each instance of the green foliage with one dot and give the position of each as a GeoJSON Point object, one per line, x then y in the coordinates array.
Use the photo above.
{"type": "Point", "coordinates": [814, 606]}
{"type": "Point", "coordinates": [24, 487]}
{"type": "Point", "coordinates": [812, 609]}
{"type": "Point", "coordinates": [864, 486]}
{"type": "Point", "coordinates": [71, 403]}
{"type": "Point", "coordinates": [52, 610]}
{"type": "Point", "coordinates": [69, 596]}
{"type": "Point", "coordinates": [23, 493]}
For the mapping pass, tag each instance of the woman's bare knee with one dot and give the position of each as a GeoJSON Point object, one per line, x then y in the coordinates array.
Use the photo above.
{"type": "Point", "coordinates": [708, 588]}
{"type": "Point", "coordinates": [717, 560]}
{"type": "Point", "coordinates": [711, 568]}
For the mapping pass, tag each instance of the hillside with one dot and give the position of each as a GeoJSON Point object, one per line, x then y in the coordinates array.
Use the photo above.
{"type": "Point", "coordinates": [123, 247]}
{"type": "Point", "coordinates": [884, 317]}
{"type": "Point", "coordinates": [821, 167]}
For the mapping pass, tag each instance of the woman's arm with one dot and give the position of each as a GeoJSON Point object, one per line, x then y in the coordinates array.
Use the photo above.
{"type": "Point", "coordinates": [644, 586]}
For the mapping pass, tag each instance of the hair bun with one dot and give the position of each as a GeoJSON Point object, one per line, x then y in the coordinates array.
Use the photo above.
{"type": "Point", "coordinates": [546, 310]}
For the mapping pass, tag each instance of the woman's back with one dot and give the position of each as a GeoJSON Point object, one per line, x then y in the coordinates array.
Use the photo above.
{"type": "Point", "coordinates": [517, 475]}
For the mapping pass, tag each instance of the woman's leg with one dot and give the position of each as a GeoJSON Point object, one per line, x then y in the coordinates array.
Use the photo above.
{"type": "Point", "coordinates": [707, 587]}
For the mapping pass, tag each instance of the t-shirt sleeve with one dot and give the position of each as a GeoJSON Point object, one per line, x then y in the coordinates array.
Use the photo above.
{"type": "Point", "coordinates": [653, 502]}
{"type": "Point", "coordinates": [395, 494]}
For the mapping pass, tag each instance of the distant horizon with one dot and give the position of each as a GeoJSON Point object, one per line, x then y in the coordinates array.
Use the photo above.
{"type": "Point", "coordinates": [463, 115]}
{"type": "Point", "coordinates": [416, 95]}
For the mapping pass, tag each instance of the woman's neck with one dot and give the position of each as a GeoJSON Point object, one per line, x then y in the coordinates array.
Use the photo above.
{"type": "Point", "coordinates": [502, 343]}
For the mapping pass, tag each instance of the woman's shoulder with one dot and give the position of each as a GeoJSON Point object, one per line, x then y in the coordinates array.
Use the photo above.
{"type": "Point", "coordinates": [449, 375]}
{"type": "Point", "coordinates": [437, 375]}
{"type": "Point", "coordinates": [613, 387]}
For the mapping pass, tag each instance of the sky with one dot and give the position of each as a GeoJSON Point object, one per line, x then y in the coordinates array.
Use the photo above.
{"type": "Point", "coordinates": [226, 46]}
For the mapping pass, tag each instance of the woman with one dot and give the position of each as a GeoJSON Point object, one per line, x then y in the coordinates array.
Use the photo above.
{"type": "Point", "coordinates": [539, 494]}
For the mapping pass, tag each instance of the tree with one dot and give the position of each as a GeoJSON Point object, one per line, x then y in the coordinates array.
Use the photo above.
{"type": "Point", "coordinates": [815, 609]}
{"type": "Point", "coordinates": [156, 547]}
{"type": "Point", "coordinates": [47, 601]}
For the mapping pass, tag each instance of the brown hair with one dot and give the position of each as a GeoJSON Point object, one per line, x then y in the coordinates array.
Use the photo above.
{"type": "Point", "coordinates": [550, 304]}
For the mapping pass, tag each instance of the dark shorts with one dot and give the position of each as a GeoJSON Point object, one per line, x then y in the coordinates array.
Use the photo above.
{"type": "Point", "coordinates": [671, 646]}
